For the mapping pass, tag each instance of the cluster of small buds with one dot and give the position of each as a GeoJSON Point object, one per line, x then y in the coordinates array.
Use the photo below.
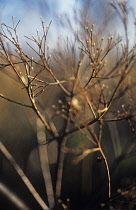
{"type": "Point", "coordinates": [62, 108]}
{"type": "Point", "coordinates": [103, 86]}
{"type": "Point", "coordinates": [64, 206]}
{"type": "Point", "coordinates": [57, 112]}
{"type": "Point", "coordinates": [110, 38]}
{"type": "Point", "coordinates": [87, 28]}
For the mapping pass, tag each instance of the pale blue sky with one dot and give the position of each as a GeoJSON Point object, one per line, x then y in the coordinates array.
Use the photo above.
{"type": "Point", "coordinates": [29, 12]}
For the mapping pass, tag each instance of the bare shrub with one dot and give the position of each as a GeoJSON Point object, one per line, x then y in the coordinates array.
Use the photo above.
{"type": "Point", "coordinates": [74, 93]}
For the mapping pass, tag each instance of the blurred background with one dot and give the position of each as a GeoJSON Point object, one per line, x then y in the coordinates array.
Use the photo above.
{"type": "Point", "coordinates": [30, 11]}
{"type": "Point", "coordinates": [17, 130]}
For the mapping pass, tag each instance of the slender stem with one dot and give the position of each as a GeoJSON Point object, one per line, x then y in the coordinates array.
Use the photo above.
{"type": "Point", "coordinates": [11, 196]}
{"type": "Point", "coordinates": [60, 169]}
{"type": "Point", "coordinates": [107, 168]}
{"type": "Point", "coordinates": [23, 177]}
{"type": "Point", "coordinates": [60, 164]}
{"type": "Point", "coordinates": [15, 102]}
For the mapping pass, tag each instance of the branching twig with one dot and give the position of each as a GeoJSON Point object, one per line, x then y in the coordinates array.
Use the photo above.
{"type": "Point", "coordinates": [15, 102]}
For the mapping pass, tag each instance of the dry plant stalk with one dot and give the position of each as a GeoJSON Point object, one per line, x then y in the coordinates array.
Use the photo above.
{"type": "Point", "coordinates": [13, 198]}
{"type": "Point", "coordinates": [23, 176]}
{"type": "Point", "coordinates": [91, 88]}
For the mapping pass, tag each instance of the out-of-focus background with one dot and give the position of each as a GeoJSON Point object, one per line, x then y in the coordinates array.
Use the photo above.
{"type": "Point", "coordinates": [17, 124]}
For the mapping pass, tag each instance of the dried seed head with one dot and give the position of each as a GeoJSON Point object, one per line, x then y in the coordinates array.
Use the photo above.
{"type": "Point", "coordinates": [119, 190]}
{"type": "Point", "coordinates": [91, 64]}
{"type": "Point", "coordinates": [60, 101]}
{"type": "Point", "coordinates": [64, 206]}
{"type": "Point", "coordinates": [68, 200]}
{"type": "Point", "coordinates": [63, 106]}
{"type": "Point", "coordinates": [57, 112]}
{"type": "Point", "coordinates": [59, 201]}
{"type": "Point", "coordinates": [102, 204]}
{"type": "Point", "coordinates": [53, 106]}
{"type": "Point", "coordinates": [75, 103]}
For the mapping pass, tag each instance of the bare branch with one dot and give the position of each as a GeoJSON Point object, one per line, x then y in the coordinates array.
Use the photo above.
{"type": "Point", "coordinates": [15, 102]}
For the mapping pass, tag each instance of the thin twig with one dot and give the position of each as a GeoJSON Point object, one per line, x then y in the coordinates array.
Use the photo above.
{"type": "Point", "coordinates": [15, 102]}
